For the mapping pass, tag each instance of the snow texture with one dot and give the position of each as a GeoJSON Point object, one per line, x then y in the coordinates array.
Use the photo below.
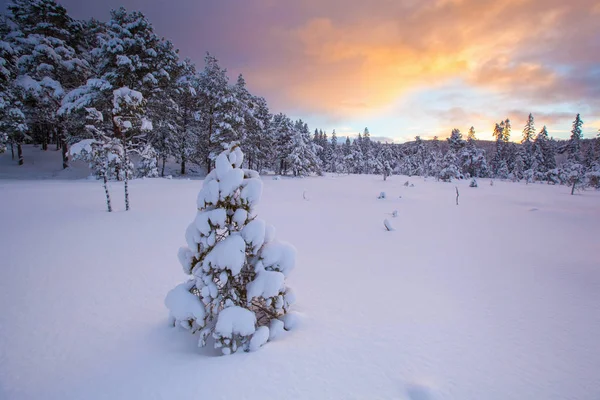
{"type": "Point", "coordinates": [227, 254]}
{"type": "Point", "coordinates": [260, 337]}
{"type": "Point", "coordinates": [236, 321]}
{"type": "Point", "coordinates": [437, 309]}
{"type": "Point", "coordinates": [183, 305]}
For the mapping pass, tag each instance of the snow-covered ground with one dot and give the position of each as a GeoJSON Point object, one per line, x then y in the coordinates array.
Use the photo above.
{"type": "Point", "coordinates": [497, 298]}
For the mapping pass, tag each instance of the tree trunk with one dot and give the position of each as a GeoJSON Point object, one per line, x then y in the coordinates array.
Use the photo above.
{"type": "Point", "coordinates": [12, 150]}
{"type": "Point", "coordinates": [162, 170]}
{"type": "Point", "coordinates": [65, 153]}
{"type": "Point", "coordinates": [126, 179]}
{"type": "Point", "coordinates": [44, 138]}
{"type": "Point", "coordinates": [20, 153]}
{"type": "Point", "coordinates": [573, 188]}
{"type": "Point", "coordinates": [105, 183]}
{"type": "Point", "coordinates": [182, 166]}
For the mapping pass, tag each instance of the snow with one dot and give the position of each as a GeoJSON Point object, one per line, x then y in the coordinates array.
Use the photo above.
{"type": "Point", "coordinates": [254, 234]}
{"type": "Point", "coordinates": [125, 96]}
{"type": "Point", "coordinates": [83, 146]}
{"type": "Point", "coordinates": [183, 305]}
{"type": "Point", "coordinates": [279, 256]}
{"type": "Point", "coordinates": [236, 320]}
{"type": "Point", "coordinates": [266, 284]}
{"type": "Point", "coordinates": [227, 254]}
{"type": "Point", "coordinates": [276, 328]}
{"type": "Point", "coordinates": [260, 337]}
{"type": "Point", "coordinates": [485, 300]}
{"type": "Point", "coordinates": [147, 125]}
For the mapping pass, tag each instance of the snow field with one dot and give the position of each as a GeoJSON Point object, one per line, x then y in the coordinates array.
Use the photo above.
{"type": "Point", "coordinates": [497, 298]}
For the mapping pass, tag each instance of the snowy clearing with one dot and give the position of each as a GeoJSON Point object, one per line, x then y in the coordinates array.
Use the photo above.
{"type": "Point", "coordinates": [497, 298]}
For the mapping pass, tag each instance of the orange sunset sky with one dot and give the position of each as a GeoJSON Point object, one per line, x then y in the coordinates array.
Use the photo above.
{"type": "Point", "coordinates": [400, 67]}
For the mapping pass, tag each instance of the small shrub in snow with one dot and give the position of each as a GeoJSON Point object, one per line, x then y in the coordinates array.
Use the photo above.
{"type": "Point", "coordinates": [406, 183]}
{"type": "Point", "coordinates": [492, 182]}
{"type": "Point", "coordinates": [395, 213]}
{"type": "Point", "coordinates": [388, 225]}
{"type": "Point", "coordinates": [381, 195]}
{"type": "Point", "coordinates": [236, 293]}
{"type": "Point", "coordinates": [473, 183]}
{"type": "Point", "coordinates": [276, 178]}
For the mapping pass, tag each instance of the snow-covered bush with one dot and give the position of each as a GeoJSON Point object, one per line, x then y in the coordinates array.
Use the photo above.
{"type": "Point", "coordinates": [381, 196]}
{"type": "Point", "coordinates": [388, 225]}
{"type": "Point", "coordinates": [593, 177]}
{"type": "Point", "coordinates": [473, 183]}
{"type": "Point", "coordinates": [236, 293]}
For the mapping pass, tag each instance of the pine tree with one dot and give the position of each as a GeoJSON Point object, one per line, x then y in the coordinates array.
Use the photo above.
{"type": "Point", "coordinates": [220, 111]}
{"type": "Point", "coordinates": [13, 127]}
{"type": "Point", "coordinates": [434, 158]}
{"type": "Point", "coordinates": [455, 141]}
{"type": "Point", "coordinates": [167, 98]}
{"type": "Point", "coordinates": [48, 66]}
{"type": "Point", "coordinates": [336, 165]}
{"type": "Point", "coordinates": [449, 169]}
{"type": "Point", "coordinates": [283, 132]}
{"type": "Point", "coordinates": [260, 139]}
{"type": "Point", "coordinates": [573, 171]}
{"type": "Point", "coordinates": [472, 160]}
{"type": "Point", "coordinates": [302, 159]}
{"type": "Point", "coordinates": [574, 145]}
{"type": "Point", "coordinates": [519, 168]}
{"type": "Point", "coordinates": [386, 159]}
{"type": "Point", "coordinates": [527, 143]}
{"type": "Point", "coordinates": [237, 293]}
{"type": "Point", "coordinates": [347, 154]}
{"type": "Point", "coordinates": [593, 170]}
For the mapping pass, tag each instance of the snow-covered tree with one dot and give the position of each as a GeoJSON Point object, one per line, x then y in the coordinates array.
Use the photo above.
{"type": "Point", "coordinates": [573, 170]}
{"type": "Point", "coordinates": [260, 137]}
{"type": "Point", "coordinates": [48, 65]}
{"type": "Point", "coordinates": [337, 157]}
{"type": "Point", "coordinates": [449, 169]}
{"type": "Point", "coordinates": [472, 160]}
{"type": "Point", "coordinates": [518, 171]}
{"type": "Point", "coordinates": [283, 131]}
{"type": "Point", "coordinates": [527, 144]}
{"type": "Point", "coordinates": [13, 128]}
{"type": "Point", "coordinates": [302, 159]}
{"type": "Point", "coordinates": [148, 167]}
{"type": "Point", "coordinates": [593, 169]}
{"type": "Point", "coordinates": [386, 159]}
{"type": "Point", "coordinates": [220, 113]}
{"type": "Point", "coordinates": [236, 293]}
{"type": "Point", "coordinates": [455, 141]}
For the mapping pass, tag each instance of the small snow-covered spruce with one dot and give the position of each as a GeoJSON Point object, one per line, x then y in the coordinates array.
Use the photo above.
{"type": "Point", "coordinates": [236, 293]}
{"type": "Point", "coordinates": [473, 183]}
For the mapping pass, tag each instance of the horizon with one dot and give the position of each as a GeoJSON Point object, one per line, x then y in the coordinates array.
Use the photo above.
{"type": "Point", "coordinates": [410, 68]}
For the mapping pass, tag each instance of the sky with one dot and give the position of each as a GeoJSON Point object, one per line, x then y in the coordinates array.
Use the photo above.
{"type": "Point", "coordinates": [399, 67]}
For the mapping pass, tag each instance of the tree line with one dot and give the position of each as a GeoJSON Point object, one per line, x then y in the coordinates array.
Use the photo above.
{"type": "Point", "coordinates": [123, 94]}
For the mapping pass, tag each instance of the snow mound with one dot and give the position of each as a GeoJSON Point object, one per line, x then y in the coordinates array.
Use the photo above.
{"type": "Point", "coordinates": [235, 321]}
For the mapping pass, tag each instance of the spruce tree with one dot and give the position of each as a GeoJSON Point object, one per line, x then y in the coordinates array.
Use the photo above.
{"type": "Point", "coordinates": [527, 143]}
{"type": "Point", "coordinates": [236, 293]}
